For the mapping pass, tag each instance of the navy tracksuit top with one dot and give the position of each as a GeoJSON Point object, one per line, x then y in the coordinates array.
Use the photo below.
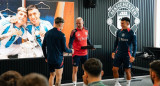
{"type": "Point", "coordinates": [125, 40]}
{"type": "Point", "coordinates": [54, 44]}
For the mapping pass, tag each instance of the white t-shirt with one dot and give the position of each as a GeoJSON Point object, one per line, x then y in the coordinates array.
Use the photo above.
{"type": "Point", "coordinates": [7, 47]}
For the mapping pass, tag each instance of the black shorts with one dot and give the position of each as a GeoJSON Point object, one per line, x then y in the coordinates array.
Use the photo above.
{"type": "Point", "coordinates": [52, 67]}
{"type": "Point", "coordinates": [77, 59]}
{"type": "Point", "coordinates": [123, 59]}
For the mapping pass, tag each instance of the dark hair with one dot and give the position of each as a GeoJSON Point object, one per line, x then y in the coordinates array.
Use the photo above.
{"type": "Point", "coordinates": [155, 66]}
{"type": "Point", "coordinates": [3, 82]}
{"type": "Point", "coordinates": [125, 19]}
{"type": "Point", "coordinates": [59, 20]}
{"type": "Point", "coordinates": [33, 79]}
{"type": "Point", "coordinates": [31, 7]}
{"type": "Point", "coordinates": [11, 77]}
{"type": "Point", "coordinates": [93, 66]}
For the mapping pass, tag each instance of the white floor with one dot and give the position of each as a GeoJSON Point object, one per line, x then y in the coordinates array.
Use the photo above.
{"type": "Point", "coordinates": [137, 81]}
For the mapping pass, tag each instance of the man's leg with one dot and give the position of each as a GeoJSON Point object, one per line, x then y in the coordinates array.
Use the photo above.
{"type": "Point", "coordinates": [51, 78]}
{"type": "Point", "coordinates": [74, 75]}
{"type": "Point", "coordinates": [58, 76]}
{"type": "Point", "coordinates": [116, 75]}
{"type": "Point", "coordinates": [116, 64]}
{"type": "Point", "coordinates": [115, 72]}
{"type": "Point", "coordinates": [83, 59]}
{"type": "Point", "coordinates": [76, 60]}
{"type": "Point", "coordinates": [128, 74]}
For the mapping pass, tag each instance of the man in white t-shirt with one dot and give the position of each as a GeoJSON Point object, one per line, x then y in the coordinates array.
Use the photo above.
{"type": "Point", "coordinates": [11, 32]}
{"type": "Point", "coordinates": [36, 29]}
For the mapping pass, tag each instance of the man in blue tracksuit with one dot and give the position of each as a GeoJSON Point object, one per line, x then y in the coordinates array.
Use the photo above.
{"type": "Point", "coordinates": [123, 52]}
{"type": "Point", "coordinates": [54, 44]}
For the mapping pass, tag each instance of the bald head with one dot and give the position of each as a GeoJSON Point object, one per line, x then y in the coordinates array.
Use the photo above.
{"type": "Point", "coordinates": [79, 23]}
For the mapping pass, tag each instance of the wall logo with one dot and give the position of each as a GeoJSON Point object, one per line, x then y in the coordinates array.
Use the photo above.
{"type": "Point", "coordinates": [123, 8]}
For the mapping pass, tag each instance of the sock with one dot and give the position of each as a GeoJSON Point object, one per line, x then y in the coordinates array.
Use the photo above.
{"type": "Point", "coordinates": [74, 83]}
{"type": "Point", "coordinates": [116, 80]}
{"type": "Point", "coordinates": [84, 84]}
{"type": "Point", "coordinates": [128, 82]}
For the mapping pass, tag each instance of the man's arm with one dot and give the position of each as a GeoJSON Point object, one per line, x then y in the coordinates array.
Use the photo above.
{"type": "Point", "coordinates": [115, 45]}
{"type": "Point", "coordinates": [116, 42]}
{"type": "Point", "coordinates": [72, 37]}
{"type": "Point", "coordinates": [134, 42]}
{"type": "Point", "coordinates": [65, 49]}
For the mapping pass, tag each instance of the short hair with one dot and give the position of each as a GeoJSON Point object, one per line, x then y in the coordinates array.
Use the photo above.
{"type": "Point", "coordinates": [31, 7]}
{"type": "Point", "coordinates": [59, 20]}
{"type": "Point", "coordinates": [79, 18]}
{"type": "Point", "coordinates": [33, 79]}
{"type": "Point", "coordinates": [3, 82]}
{"type": "Point", "coordinates": [93, 66]}
{"type": "Point", "coordinates": [125, 19]}
{"type": "Point", "coordinates": [155, 66]}
{"type": "Point", "coordinates": [23, 9]}
{"type": "Point", "coordinates": [11, 77]}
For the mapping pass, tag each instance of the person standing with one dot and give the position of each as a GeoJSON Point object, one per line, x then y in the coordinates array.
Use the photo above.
{"type": "Point", "coordinates": [54, 44]}
{"type": "Point", "coordinates": [78, 38]}
{"type": "Point", "coordinates": [123, 52]}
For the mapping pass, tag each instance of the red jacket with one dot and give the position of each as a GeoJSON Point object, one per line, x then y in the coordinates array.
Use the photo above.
{"type": "Point", "coordinates": [78, 39]}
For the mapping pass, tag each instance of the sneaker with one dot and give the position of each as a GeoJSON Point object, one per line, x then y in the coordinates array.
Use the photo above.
{"type": "Point", "coordinates": [117, 84]}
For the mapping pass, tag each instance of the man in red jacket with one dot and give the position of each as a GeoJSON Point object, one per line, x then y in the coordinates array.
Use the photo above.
{"type": "Point", "coordinates": [78, 38]}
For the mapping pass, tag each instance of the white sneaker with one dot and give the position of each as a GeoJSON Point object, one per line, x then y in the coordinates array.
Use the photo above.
{"type": "Point", "coordinates": [74, 84]}
{"type": "Point", "coordinates": [117, 84]}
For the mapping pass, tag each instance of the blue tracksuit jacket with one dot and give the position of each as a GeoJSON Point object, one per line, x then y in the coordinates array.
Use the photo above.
{"type": "Point", "coordinates": [125, 38]}
{"type": "Point", "coordinates": [54, 44]}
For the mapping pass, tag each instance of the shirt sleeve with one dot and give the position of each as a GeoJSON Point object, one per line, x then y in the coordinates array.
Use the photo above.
{"type": "Point", "coordinates": [116, 42]}
{"type": "Point", "coordinates": [134, 42]}
{"type": "Point", "coordinates": [4, 22]}
{"type": "Point", "coordinates": [65, 49]}
{"type": "Point", "coordinates": [44, 47]}
{"type": "Point", "coordinates": [72, 37]}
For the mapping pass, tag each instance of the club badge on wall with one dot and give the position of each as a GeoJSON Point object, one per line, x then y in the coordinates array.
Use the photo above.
{"type": "Point", "coordinates": [123, 8]}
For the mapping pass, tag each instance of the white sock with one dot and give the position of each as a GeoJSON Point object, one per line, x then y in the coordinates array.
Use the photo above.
{"type": "Point", "coordinates": [128, 82]}
{"type": "Point", "coordinates": [74, 83]}
{"type": "Point", "coordinates": [84, 84]}
{"type": "Point", "coordinates": [116, 80]}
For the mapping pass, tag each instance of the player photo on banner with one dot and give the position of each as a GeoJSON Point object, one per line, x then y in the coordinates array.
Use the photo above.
{"type": "Point", "coordinates": [25, 40]}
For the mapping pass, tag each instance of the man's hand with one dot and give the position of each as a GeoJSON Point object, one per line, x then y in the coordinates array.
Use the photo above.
{"type": "Point", "coordinates": [14, 32]}
{"type": "Point", "coordinates": [113, 55]}
{"type": "Point", "coordinates": [2, 37]}
{"type": "Point", "coordinates": [93, 48]}
{"type": "Point", "coordinates": [85, 79]}
{"type": "Point", "coordinates": [132, 59]}
{"type": "Point", "coordinates": [42, 33]}
{"type": "Point", "coordinates": [19, 33]}
{"type": "Point", "coordinates": [72, 51]}
{"type": "Point", "coordinates": [46, 60]}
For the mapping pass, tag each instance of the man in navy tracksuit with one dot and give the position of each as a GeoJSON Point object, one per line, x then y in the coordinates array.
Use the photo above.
{"type": "Point", "coordinates": [54, 44]}
{"type": "Point", "coordinates": [123, 52]}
